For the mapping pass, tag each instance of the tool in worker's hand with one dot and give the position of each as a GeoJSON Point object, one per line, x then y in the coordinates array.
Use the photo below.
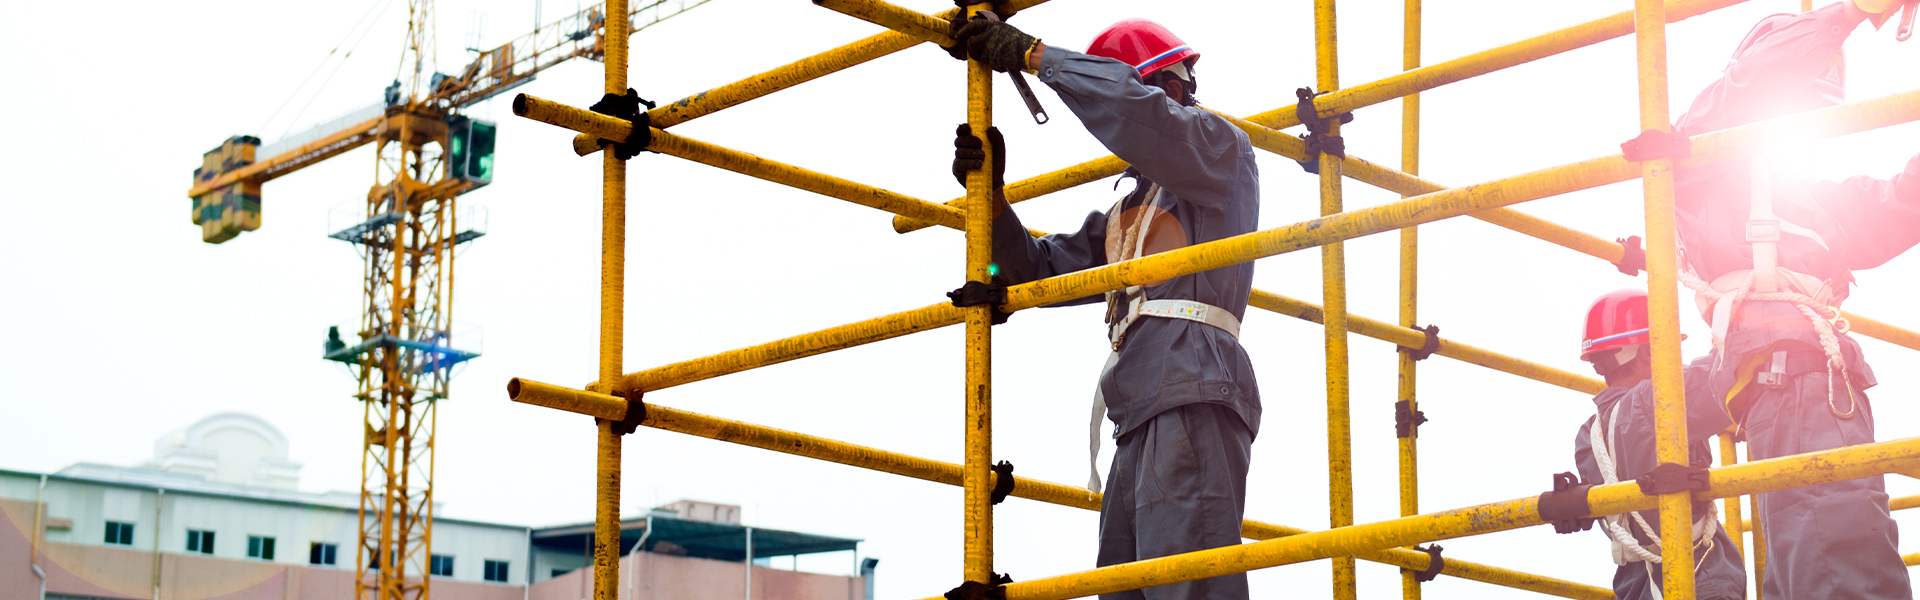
{"type": "Point", "coordinates": [1020, 82]}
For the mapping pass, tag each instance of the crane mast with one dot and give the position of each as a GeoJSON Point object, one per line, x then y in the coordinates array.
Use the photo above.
{"type": "Point", "coordinates": [426, 156]}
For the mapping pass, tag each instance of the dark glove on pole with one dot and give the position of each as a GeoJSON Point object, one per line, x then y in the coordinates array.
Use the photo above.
{"type": "Point", "coordinates": [994, 43]}
{"type": "Point", "coordinates": [968, 157]}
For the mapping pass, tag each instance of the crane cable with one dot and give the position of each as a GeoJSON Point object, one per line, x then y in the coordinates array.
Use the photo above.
{"type": "Point", "coordinates": [382, 5]}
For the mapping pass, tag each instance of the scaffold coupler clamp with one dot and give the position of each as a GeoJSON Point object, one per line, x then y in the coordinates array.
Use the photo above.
{"type": "Point", "coordinates": [636, 409]}
{"type": "Point", "coordinates": [1566, 506]}
{"type": "Point", "coordinates": [1673, 478]}
{"type": "Point", "coordinates": [975, 293]}
{"type": "Point", "coordinates": [1427, 348]}
{"type": "Point", "coordinates": [974, 590]}
{"type": "Point", "coordinates": [627, 107]}
{"type": "Point", "coordinates": [1435, 564]}
{"type": "Point", "coordinates": [1654, 144]}
{"type": "Point", "coordinates": [1633, 257]}
{"type": "Point", "coordinates": [1319, 137]}
{"type": "Point", "coordinates": [1406, 420]}
{"type": "Point", "coordinates": [1002, 481]}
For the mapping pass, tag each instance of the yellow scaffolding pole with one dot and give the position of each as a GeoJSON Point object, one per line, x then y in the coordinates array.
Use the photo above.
{"type": "Point", "coordinates": [977, 477]}
{"type": "Point", "coordinates": [1838, 464]}
{"type": "Point", "coordinates": [1663, 305]}
{"type": "Point", "coordinates": [1447, 203]}
{"type": "Point", "coordinates": [613, 266]}
{"type": "Point", "coordinates": [1409, 292]}
{"type": "Point", "coordinates": [1474, 65]}
{"type": "Point", "coordinates": [1333, 281]}
{"type": "Point", "coordinates": [786, 76]}
{"type": "Point", "coordinates": [799, 444]}
{"type": "Point", "coordinates": [1428, 202]}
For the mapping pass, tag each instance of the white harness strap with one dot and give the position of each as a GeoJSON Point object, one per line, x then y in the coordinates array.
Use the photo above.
{"type": "Point", "coordinates": [1626, 548]}
{"type": "Point", "coordinates": [1126, 306]}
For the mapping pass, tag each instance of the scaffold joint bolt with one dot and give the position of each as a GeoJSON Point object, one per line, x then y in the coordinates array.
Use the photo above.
{"type": "Point", "coordinates": [1654, 144]}
{"type": "Point", "coordinates": [636, 412]}
{"type": "Point", "coordinates": [1427, 348]}
{"type": "Point", "coordinates": [1633, 258]}
{"type": "Point", "coordinates": [975, 293]}
{"type": "Point", "coordinates": [627, 106]}
{"type": "Point", "coordinates": [1435, 564]}
{"type": "Point", "coordinates": [1566, 506]}
{"type": "Point", "coordinates": [1673, 478]}
{"type": "Point", "coordinates": [1002, 481]}
{"type": "Point", "coordinates": [974, 590]}
{"type": "Point", "coordinates": [1406, 421]}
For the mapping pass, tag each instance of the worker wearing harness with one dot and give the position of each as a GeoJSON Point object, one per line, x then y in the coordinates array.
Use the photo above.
{"type": "Point", "coordinates": [1178, 386]}
{"type": "Point", "coordinates": [1617, 445]}
{"type": "Point", "coordinates": [1769, 254]}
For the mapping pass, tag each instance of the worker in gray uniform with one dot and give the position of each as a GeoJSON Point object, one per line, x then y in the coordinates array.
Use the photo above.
{"type": "Point", "coordinates": [1769, 253]}
{"type": "Point", "coordinates": [1178, 386]}
{"type": "Point", "coordinates": [1617, 444]}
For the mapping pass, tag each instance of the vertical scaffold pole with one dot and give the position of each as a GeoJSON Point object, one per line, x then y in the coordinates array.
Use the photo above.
{"type": "Point", "coordinates": [1409, 285]}
{"type": "Point", "coordinates": [975, 479]}
{"type": "Point", "coordinates": [1334, 299]}
{"type": "Point", "coordinates": [1759, 542]}
{"type": "Point", "coordinates": [1670, 411]}
{"type": "Point", "coordinates": [1736, 526]}
{"type": "Point", "coordinates": [613, 265]}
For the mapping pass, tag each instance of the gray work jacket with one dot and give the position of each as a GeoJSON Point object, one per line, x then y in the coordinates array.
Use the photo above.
{"type": "Point", "coordinates": [1720, 572]}
{"type": "Point", "coordinates": [1205, 166]}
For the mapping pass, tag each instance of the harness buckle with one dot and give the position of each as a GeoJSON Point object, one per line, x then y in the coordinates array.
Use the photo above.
{"type": "Point", "coordinates": [1776, 374]}
{"type": "Point", "coordinates": [1763, 230]}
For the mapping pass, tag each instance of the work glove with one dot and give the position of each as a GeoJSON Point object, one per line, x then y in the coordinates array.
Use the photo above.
{"type": "Point", "coordinates": [994, 43]}
{"type": "Point", "coordinates": [968, 157]}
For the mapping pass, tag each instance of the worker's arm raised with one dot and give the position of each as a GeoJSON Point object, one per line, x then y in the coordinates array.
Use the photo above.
{"type": "Point", "coordinates": [1194, 153]}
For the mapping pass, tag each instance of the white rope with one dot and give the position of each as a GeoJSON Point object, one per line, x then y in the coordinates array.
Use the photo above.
{"type": "Point", "coordinates": [1826, 321]}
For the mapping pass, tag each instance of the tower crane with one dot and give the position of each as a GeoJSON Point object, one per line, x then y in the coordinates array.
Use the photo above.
{"type": "Point", "coordinates": [427, 155]}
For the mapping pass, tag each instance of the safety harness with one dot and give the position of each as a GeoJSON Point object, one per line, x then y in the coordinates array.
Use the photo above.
{"type": "Point", "coordinates": [1129, 305]}
{"type": "Point", "coordinates": [1768, 282]}
{"type": "Point", "coordinates": [1627, 548]}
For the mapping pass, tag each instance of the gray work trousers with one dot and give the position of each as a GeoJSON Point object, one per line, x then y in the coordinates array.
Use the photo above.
{"type": "Point", "coordinates": [1178, 484]}
{"type": "Point", "coordinates": [1824, 542]}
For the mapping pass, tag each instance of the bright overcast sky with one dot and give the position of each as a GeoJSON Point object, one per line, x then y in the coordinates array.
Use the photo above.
{"type": "Point", "coordinates": [120, 324]}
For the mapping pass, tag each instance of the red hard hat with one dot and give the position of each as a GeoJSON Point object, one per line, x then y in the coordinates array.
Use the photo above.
{"type": "Point", "coordinates": [1141, 43]}
{"type": "Point", "coordinates": [1616, 320]}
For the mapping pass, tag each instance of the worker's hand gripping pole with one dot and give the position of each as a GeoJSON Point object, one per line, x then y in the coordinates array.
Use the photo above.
{"type": "Point", "coordinates": [1020, 81]}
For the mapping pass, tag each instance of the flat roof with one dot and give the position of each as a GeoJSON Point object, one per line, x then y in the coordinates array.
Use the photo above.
{"type": "Point", "coordinates": [702, 539]}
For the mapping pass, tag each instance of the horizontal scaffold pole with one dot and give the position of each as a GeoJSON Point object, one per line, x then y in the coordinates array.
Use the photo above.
{"type": "Point", "coordinates": [599, 125]}
{"type": "Point", "coordinates": [1567, 237]}
{"type": "Point", "coordinates": [1826, 466]}
{"type": "Point", "coordinates": [1034, 187]}
{"type": "Point", "coordinates": [798, 444]}
{"type": "Point", "coordinates": [1449, 203]}
{"type": "Point", "coordinates": [1484, 62]}
{"type": "Point", "coordinates": [786, 76]}
{"type": "Point", "coordinates": [1412, 338]}
{"type": "Point", "coordinates": [918, 25]}
{"type": "Point", "coordinates": [1452, 202]}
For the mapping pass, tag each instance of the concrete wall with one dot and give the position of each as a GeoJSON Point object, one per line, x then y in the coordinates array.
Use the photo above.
{"type": "Point", "coordinates": [649, 576]}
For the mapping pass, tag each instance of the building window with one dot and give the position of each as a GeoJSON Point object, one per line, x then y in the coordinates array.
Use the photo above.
{"type": "Point", "coordinates": [119, 533]}
{"type": "Point", "coordinates": [260, 547]}
{"type": "Point", "coordinates": [440, 565]}
{"type": "Point", "coordinates": [496, 570]}
{"type": "Point", "coordinates": [200, 541]}
{"type": "Point", "coordinates": [323, 554]}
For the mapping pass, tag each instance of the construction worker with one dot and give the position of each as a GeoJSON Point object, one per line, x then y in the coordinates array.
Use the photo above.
{"type": "Point", "coordinates": [1178, 386]}
{"type": "Point", "coordinates": [1617, 444]}
{"type": "Point", "coordinates": [1770, 254]}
